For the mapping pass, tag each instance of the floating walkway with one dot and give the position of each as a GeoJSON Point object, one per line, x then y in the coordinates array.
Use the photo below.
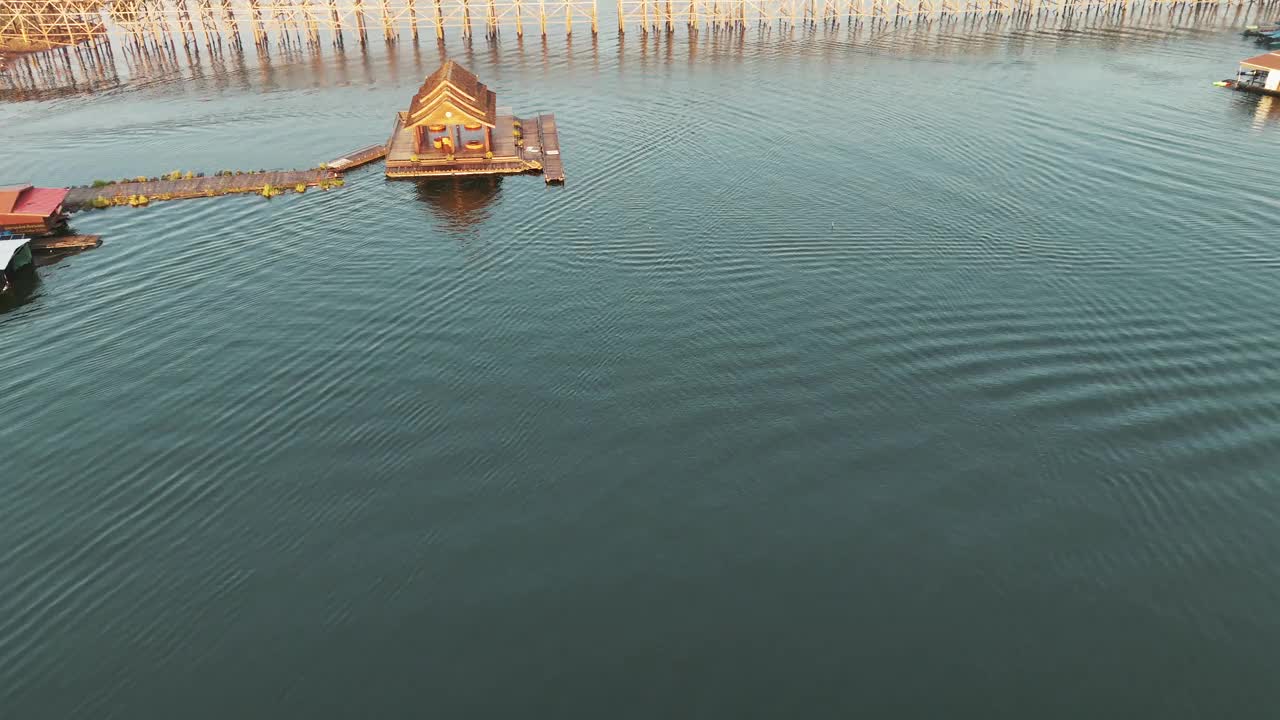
{"type": "Point", "coordinates": [552, 165]}
{"type": "Point", "coordinates": [357, 158]}
{"type": "Point", "coordinates": [185, 188]}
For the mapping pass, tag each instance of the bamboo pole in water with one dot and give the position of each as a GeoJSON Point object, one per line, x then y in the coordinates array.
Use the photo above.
{"type": "Point", "coordinates": [360, 29]}
{"type": "Point", "coordinates": [388, 25]}
{"type": "Point", "coordinates": [313, 25]}
{"type": "Point", "coordinates": [255, 20]}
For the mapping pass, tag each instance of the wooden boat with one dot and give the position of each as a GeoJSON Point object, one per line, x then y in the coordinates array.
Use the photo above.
{"type": "Point", "coordinates": [15, 261]}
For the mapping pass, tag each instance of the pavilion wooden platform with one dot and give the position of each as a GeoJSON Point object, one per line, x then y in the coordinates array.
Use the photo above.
{"type": "Point", "coordinates": [537, 151]}
{"type": "Point", "coordinates": [184, 188]}
{"type": "Point", "coordinates": [454, 127]}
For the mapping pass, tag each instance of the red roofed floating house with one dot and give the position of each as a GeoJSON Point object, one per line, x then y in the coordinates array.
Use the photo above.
{"type": "Point", "coordinates": [32, 210]}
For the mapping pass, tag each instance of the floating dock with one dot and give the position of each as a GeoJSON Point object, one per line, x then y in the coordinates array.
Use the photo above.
{"type": "Point", "coordinates": [552, 165]}
{"type": "Point", "coordinates": [184, 188]}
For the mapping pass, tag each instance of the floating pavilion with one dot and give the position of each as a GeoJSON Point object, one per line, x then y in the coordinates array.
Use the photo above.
{"type": "Point", "coordinates": [454, 127]}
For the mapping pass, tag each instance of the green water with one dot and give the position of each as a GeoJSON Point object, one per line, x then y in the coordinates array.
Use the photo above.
{"type": "Point", "coordinates": [912, 374]}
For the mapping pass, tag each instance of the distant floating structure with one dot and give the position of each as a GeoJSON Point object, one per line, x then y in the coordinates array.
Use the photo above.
{"type": "Point", "coordinates": [1259, 74]}
{"type": "Point", "coordinates": [454, 127]}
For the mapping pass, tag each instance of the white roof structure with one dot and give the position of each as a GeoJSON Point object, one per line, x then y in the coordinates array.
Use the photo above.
{"type": "Point", "coordinates": [9, 248]}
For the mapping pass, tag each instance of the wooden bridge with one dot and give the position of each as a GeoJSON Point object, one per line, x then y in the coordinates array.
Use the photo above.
{"type": "Point", "coordinates": [28, 25]}
{"type": "Point", "coordinates": [33, 25]}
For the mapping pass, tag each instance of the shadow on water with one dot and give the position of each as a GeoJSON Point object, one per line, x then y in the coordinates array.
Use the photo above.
{"type": "Point", "coordinates": [22, 291]}
{"type": "Point", "coordinates": [460, 202]}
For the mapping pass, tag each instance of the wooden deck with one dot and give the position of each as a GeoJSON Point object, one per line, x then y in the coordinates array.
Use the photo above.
{"type": "Point", "coordinates": [65, 243]}
{"type": "Point", "coordinates": [552, 164]}
{"type": "Point", "coordinates": [358, 158]}
{"type": "Point", "coordinates": [197, 187]}
{"type": "Point", "coordinates": [538, 151]}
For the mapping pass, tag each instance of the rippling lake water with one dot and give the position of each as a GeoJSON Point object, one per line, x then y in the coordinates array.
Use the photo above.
{"type": "Point", "coordinates": [907, 374]}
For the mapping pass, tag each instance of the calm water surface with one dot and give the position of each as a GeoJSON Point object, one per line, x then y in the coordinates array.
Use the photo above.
{"type": "Point", "coordinates": [896, 375]}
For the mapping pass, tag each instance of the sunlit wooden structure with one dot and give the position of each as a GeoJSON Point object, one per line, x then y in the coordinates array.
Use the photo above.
{"type": "Point", "coordinates": [37, 25]}
{"type": "Point", "coordinates": [34, 25]}
{"type": "Point", "coordinates": [454, 127]}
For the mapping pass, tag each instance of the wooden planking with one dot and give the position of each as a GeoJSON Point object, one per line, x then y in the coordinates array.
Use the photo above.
{"type": "Point", "coordinates": [504, 136]}
{"type": "Point", "coordinates": [549, 134]}
{"type": "Point", "coordinates": [505, 167]}
{"type": "Point", "coordinates": [358, 158]}
{"type": "Point", "coordinates": [66, 243]}
{"type": "Point", "coordinates": [198, 187]}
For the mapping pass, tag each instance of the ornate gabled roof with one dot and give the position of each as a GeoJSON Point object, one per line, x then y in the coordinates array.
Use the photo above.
{"type": "Point", "coordinates": [453, 95]}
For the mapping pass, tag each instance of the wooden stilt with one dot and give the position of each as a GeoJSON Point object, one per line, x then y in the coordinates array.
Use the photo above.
{"type": "Point", "coordinates": [360, 29]}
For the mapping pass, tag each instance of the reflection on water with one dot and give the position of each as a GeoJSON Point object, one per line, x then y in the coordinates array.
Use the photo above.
{"type": "Point", "coordinates": [1265, 109]}
{"type": "Point", "coordinates": [462, 202]}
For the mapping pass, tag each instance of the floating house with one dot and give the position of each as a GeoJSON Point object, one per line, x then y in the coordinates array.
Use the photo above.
{"type": "Point", "coordinates": [1259, 74]}
{"type": "Point", "coordinates": [454, 127]}
{"type": "Point", "coordinates": [32, 210]}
